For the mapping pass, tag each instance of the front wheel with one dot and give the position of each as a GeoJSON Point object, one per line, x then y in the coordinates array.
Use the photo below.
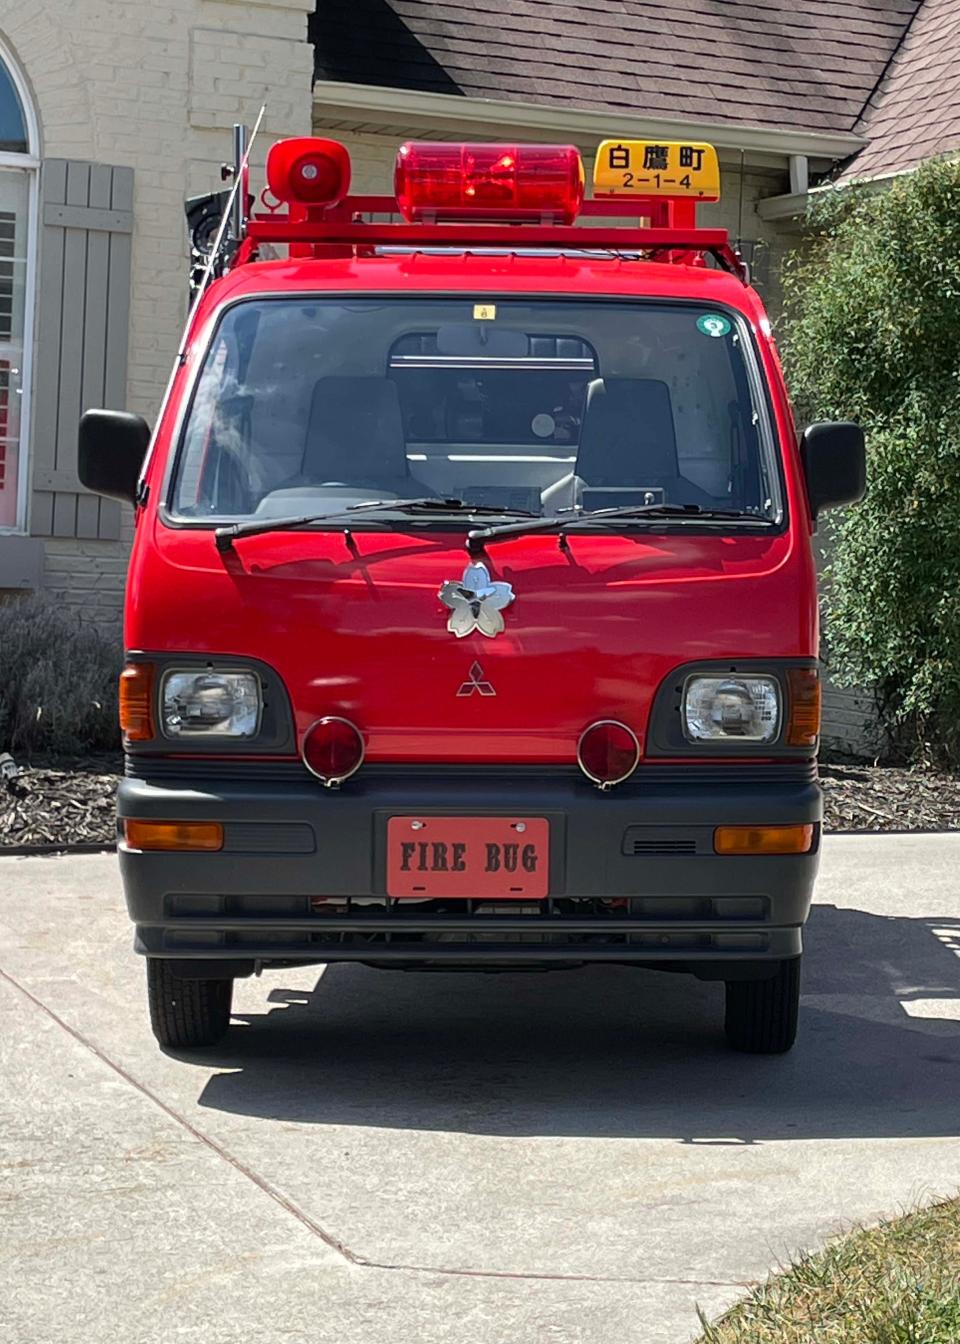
{"type": "Point", "coordinates": [186, 1013]}
{"type": "Point", "coordinates": [761, 1016]}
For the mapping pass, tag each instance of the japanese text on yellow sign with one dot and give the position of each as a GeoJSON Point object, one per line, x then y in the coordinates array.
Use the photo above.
{"type": "Point", "coordinates": [667, 168]}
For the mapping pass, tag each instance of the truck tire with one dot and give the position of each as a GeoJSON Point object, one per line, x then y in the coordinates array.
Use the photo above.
{"type": "Point", "coordinates": [761, 1017]}
{"type": "Point", "coordinates": [186, 1013]}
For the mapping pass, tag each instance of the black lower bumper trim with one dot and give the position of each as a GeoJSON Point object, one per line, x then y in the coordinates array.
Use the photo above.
{"type": "Point", "coordinates": [478, 925]}
{"type": "Point", "coordinates": [622, 888]}
{"type": "Point", "coordinates": [779, 944]}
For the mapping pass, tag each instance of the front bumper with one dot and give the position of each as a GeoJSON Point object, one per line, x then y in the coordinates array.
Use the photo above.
{"type": "Point", "coordinates": [633, 875]}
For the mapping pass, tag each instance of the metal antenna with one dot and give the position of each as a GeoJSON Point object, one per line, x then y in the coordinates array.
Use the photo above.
{"type": "Point", "coordinates": [229, 214]}
{"type": "Point", "coordinates": [240, 177]}
{"type": "Point", "coordinates": [740, 206]}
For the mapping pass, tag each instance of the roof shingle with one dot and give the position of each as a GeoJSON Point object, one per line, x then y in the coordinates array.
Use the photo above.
{"type": "Point", "coordinates": [809, 66]}
{"type": "Point", "coordinates": [915, 112]}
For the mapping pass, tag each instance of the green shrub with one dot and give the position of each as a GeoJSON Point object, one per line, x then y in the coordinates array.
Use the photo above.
{"type": "Point", "coordinates": [873, 334]}
{"type": "Point", "coordinates": [58, 681]}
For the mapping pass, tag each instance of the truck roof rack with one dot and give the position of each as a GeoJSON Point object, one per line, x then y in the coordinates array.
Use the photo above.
{"type": "Point", "coordinates": [353, 228]}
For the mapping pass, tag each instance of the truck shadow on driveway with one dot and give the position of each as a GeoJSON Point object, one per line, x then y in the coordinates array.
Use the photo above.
{"type": "Point", "coordinates": [615, 1052]}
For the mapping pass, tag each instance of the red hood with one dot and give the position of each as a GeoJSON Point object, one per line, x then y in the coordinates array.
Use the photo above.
{"type": "Point", "coordinates": [591, 633]}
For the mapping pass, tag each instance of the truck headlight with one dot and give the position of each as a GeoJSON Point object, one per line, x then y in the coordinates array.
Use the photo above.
{"type": "Point", "coordinates": [731, 707]}
{"type": "Point", "coordinates": [204, 702]}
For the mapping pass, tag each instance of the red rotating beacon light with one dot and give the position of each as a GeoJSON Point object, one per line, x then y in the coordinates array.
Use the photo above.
{"type": "Point", "coordinates": [516, 183]}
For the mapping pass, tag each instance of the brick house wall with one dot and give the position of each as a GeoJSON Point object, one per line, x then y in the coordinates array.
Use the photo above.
{"type": "Point", "coordinates": [850, 721]}
{"type": "Point", "coordinates": [155, 88]}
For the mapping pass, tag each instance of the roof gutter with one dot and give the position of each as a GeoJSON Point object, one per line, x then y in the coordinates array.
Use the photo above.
{"type": "Point", "coordinates": [776, 209]}
{"type": "Point", "coordinates": [849, 177]}
{"type": "Point", "coordinates": [379, 105]}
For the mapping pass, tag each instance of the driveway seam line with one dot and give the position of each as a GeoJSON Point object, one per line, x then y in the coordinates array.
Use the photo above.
{"type": "Point", "coordinates": [530, 1275]}
{"type": "Point", "coordinates": [333, 1242]}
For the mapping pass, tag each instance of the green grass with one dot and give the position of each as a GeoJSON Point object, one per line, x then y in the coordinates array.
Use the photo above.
{"type": "Point", "coordinates": [898, 1283]}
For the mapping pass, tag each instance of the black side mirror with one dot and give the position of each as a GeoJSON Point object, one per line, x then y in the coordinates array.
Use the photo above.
{"type": "Point", "coordinates": [112, 447]}
{"type": "Point", "coordinates": [834, 460]}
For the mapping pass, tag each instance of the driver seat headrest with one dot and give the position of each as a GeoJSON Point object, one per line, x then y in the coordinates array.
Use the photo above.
{"type": "Point", "coordinates": [355, 433]}
{"type": "Point", "coordinates": [628, 437]}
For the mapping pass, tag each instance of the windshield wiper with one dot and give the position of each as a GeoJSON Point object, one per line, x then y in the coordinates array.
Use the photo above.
{"type": "Point", "coordinates": [477, 539]}
{"type": "Point", "coordinates": [255, 527]}
{"type": "Point", "coordinates": [226, 536]}
{"type": "Point", "coordinates": [671, 511]}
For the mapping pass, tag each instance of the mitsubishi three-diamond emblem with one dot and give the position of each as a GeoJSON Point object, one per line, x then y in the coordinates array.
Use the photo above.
{"type": "Point", "coordinates": [475, 602]}
{"type": "Point", "coordinates": [476, 683]}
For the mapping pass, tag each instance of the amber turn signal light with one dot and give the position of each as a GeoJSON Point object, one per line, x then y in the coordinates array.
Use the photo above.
{"type": "Point", "coordinates": [136, 702]}
{"type": "Point", "coordinates": [193, 835]}
{"type": "Point", "coordinates": [803, 726]}
{"type": "Point", "coordinates": [763, 839]}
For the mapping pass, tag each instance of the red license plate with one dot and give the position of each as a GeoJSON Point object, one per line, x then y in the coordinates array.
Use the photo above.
{"type": "Point", "coordinates": [432, 857]}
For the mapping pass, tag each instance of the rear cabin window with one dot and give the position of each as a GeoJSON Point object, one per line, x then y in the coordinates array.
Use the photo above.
{"type": "Point", "coordinates": [311, 406]}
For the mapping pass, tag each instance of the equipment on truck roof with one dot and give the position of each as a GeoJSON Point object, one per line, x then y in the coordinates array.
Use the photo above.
{"type": "Point", "coordinates": [467, 197]}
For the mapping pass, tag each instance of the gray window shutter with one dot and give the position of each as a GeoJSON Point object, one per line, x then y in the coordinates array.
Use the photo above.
{"type": "Point", "coordinates": [83, 317]}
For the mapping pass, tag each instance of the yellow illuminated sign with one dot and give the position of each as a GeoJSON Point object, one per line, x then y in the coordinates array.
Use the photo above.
{"type": "Point", "coordinates": [657, 168]}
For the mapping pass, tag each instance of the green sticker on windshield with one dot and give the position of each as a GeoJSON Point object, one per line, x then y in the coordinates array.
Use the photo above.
{"type": "Point", "coordinates": [713, 324]}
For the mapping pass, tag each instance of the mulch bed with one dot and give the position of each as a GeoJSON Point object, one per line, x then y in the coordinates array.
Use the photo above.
{"type": "Point", "coordinates": [71, 802]}
{"type": "Point", "coordinates": [889, 798]}
{"type": "Point", "coordinates": [62, 802]}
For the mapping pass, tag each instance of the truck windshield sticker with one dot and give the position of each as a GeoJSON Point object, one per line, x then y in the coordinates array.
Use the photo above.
{"type": "Point", "coordinates": [713, 324]}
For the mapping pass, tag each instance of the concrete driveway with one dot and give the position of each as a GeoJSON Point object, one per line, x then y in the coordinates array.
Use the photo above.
{"type": "Point", "coordinates": [571, 1158]}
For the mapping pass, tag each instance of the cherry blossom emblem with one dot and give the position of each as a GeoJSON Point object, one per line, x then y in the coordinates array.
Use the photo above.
{"type": "Point", "coordinates": [475, 602]}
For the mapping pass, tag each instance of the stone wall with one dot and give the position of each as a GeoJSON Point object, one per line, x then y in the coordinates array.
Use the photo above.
{"type": "Point", "coordinates": [850, 722]}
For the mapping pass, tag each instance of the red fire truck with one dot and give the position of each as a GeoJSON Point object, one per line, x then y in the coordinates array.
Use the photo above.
{"type": "Point", "coordinates": [471, 618]}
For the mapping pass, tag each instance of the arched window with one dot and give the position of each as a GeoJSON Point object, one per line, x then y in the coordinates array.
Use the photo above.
{"type": "Point", "coordinates": [14, 138]}
{"type": "Point", "coordinates": [19, 162]}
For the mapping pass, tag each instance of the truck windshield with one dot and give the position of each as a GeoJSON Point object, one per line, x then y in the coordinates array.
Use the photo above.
{"type": "Point", "coordinates": [309, 406]}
